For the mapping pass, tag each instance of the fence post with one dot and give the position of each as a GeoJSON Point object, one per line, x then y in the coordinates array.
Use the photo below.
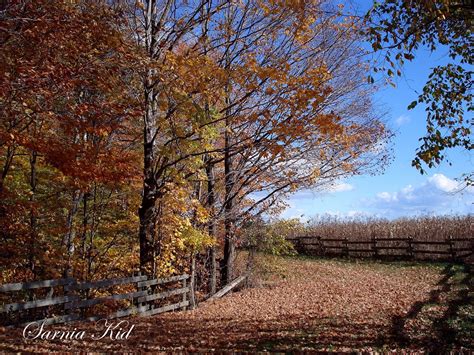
{"type": "Point", "coordinates": [139, 305]}
{"type": "Point", "coordinates": [320, 245]}
{"type": "Point", "coordinates": [298, 245]}
{"type": "Point", "coordinates": [184, 294]}
{"type": "Point", "coordinates": [410, 248]}
{"type": "Point", "coordinates": [374, 247]}
{"type": "Point", "coordinates": [192, 282]}
{"type": "Point", "coordinates": [346, 247]}
{"type": "Point", "coordinates": [70, 307]}
{"type": "Point", "coordinates": [451, 247]}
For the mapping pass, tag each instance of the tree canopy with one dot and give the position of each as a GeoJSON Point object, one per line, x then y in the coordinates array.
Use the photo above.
{"type": "Point", "coordinates": [140, 135]}
{"type": "Point", "coordinates": [398, 28]}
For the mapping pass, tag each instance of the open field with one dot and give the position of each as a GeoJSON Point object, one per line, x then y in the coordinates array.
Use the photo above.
{"type": "Point", "coordinates": [308, 304]}
{"type": "Point", "coordinates": [422, 228]}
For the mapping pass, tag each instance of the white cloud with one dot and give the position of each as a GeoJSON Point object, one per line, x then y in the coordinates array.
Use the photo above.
{"type": "Point", "coordinates": [401, 120]}
{"type": "Point", "coordinates": [315, 194]}
{"type": "Point", "coordinates": [437, 195]}
{"type": "Point", "coordinates": [444, 183]}
{"type": "Point", "coordinates": [341, 187]}
{"type": "Point", "coordinates": [387, 196]}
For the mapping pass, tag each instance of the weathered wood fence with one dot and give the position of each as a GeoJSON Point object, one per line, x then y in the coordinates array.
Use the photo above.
{"type": "Point", "coordinates": [451, 248]}
{"type": "Point", "coordinates": [64, 300]}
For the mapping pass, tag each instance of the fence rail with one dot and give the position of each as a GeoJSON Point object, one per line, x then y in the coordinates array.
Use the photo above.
{"type": "Point", "coordinates": [450, 248]}
{"type": "Point", "coordinates": [74, 299]}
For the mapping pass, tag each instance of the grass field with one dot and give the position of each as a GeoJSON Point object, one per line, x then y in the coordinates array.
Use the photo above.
{"type": "Point", "coordinates": [301, 303]}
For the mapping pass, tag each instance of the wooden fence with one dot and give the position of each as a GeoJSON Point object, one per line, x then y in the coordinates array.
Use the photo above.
{"type": "Point", "coordinates": [451, 248]}
{"type": "Point", "coordinates": [64, 300]}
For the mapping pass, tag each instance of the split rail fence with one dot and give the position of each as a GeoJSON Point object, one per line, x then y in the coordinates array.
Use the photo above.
{"type": "Point", "coordinates": [64, 300]}
{"type": "Point", "coordinates": [408, 248]}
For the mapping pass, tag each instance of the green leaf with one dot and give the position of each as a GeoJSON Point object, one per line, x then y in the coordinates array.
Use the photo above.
{"type": "Point", "coordinates": [412, 105]}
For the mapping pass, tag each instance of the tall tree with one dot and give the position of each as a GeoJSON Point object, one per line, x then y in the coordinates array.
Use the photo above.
{"type": "Point", "coordinates": [64, 66]}
{"type": "Point", "coordinates": [298, 113]}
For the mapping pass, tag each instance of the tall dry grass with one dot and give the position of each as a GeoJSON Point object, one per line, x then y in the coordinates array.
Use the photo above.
{"type": "Point", "coordinates": [421, 228]}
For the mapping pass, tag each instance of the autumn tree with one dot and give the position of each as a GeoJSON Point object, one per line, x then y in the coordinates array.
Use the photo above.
{"type": "Point", "coordinates": [243, 95]}
{"type": "Point", "coordinates": [66, 130]}
{"type": "Point", "coordinates": [172, 78]}
{"type": "Point", "coordinates": [179, 120]}
{"type": "Point", "coordinates": [297, 112]}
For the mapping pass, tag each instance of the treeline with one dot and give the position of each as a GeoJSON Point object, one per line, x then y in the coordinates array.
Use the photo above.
{"type": "Point", "coordinates": [143, 135]}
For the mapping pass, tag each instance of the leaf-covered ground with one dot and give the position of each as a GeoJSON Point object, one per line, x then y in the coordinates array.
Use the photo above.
{"type": "Point", "coordinates": [310, 304]}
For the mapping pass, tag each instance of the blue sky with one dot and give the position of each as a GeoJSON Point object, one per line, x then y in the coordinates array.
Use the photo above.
{"type": "Point", "coordinates": [401, 190]}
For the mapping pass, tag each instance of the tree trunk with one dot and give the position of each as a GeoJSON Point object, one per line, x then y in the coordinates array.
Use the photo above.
{"type": "Point", "coordinates": [192, 285]}
{"type": "Point", "coordinates": [6, 166]}
{"type": "Point", "coordinates": [68, 239]}
{"type": "Point", "coordinates": [147, 215]}
{"type": "Point", "coordinates": [211, 252]}
{"type": "Point", "coordinates": [250, 265]}
{"type": "Point", "coordinates": [33, 224]}
{"type": "Point", "coordinates": [92, 229]}
{"type": "Point", "coordinates": [229, 248]}
{"type": "Point", "coordinates": [85, 223]}
{"type": "Point", "coordinates": [148, 211]}
{"type": "Point", "coordinates": [228, 259]}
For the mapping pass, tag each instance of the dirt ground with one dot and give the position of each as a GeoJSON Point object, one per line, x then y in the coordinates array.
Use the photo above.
{"type": "Point", "coordinates": [305, 304]}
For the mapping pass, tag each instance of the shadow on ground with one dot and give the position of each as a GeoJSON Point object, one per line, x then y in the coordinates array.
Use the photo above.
{"type": "Point", "coordinates": [446, 319]}
{"type": "Point", "coordinates": [441, 323]}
